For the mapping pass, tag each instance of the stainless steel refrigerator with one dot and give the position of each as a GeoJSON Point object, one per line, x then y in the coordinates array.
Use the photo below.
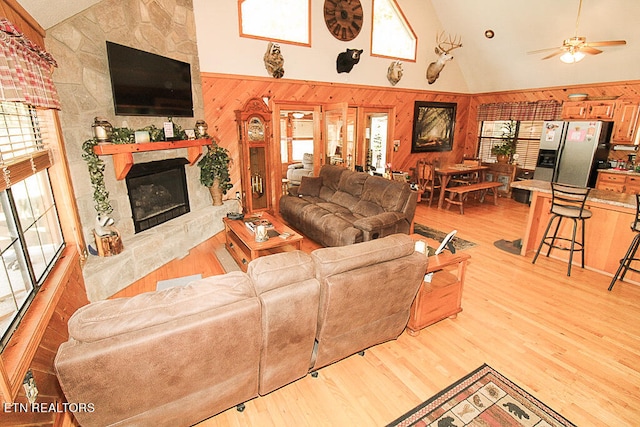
{"type": "Point", "coordinates": [582, 152]}
{"type": "Point", "coordinates": [553, 134]}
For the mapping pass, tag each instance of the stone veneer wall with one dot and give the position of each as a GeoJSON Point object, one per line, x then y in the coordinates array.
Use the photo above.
{"type": "Point", "coordinates": [164, 27]}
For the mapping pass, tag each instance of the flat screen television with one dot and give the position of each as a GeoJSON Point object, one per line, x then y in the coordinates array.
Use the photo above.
{"type": "Point", "coordinates": [146, 84]}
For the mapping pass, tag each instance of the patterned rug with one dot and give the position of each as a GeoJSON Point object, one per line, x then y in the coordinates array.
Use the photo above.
{"type": "Point", "coordinates": [438, 235]}
{"type": "Point", "coordinates": [482, 398]}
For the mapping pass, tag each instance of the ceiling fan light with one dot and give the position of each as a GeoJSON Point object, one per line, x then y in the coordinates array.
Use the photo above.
{"type": "Point", "coordinates": [572, 57]}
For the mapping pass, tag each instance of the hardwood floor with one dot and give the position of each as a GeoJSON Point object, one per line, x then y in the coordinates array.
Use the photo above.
{"type": "Point", "coordinates": [566, 340]}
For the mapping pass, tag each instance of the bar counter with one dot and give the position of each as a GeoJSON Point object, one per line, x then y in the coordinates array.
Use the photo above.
{"type": "Point", "coordinates": [607, 233]}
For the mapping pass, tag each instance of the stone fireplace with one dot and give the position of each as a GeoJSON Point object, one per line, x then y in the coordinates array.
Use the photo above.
{"type": "Point", "coordinates": [157, 192]}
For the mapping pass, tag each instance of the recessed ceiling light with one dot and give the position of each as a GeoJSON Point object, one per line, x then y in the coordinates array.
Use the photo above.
{"type": "Point", "coordinates": [489, 34]}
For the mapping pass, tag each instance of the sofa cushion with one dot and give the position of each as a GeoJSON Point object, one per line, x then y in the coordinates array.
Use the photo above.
{"type": "Point", "coordinates": [331, 261]}
{"type": "Point", "coordinates": [109, 318]}
{"type": "Point", "coordinates": [307, 160]}
{"type": "Point", "coordinates": [277, 270]}
{"type": "Point", "coordinates": [310, 186]}
{"type": "Point", "coordinates": [330, 180]}
{"type": "Point", "coordinates": [389, 195]}
{"type": "Point", "coordinates": [349, 189]}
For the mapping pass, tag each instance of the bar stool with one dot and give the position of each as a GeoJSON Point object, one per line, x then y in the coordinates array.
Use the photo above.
{"type": "Point", "coordinates": [567, 201]}
{"type": "Point", "coordinates": [631, 252]}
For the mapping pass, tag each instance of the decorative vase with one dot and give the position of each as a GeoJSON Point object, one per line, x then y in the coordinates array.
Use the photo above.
{"type": "Point", "coordinates": [216, 192]}
{"type": "Point", "coordinates": [502, 158]}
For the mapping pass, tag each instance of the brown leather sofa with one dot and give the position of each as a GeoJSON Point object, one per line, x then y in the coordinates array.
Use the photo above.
{"type": "Point", "coordinates": [341, 207]}
{"type": "Point", "coordinates": [181, 355]}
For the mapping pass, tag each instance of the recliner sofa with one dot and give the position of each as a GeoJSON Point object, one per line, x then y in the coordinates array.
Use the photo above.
{"type": "Point", "coordinates": [296, 171]}
{"type": "Point", "coordinates": [340, 207]}
{"type": "Point", "coordinates": [178, 356]}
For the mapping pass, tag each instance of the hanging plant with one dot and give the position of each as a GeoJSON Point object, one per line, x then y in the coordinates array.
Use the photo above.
{"type": "Point", "coordinates": [95, 165]}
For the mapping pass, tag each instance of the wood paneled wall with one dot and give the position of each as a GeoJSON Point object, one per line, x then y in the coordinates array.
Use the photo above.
{"type": "Point", "coordinates": [225, 93]}
{"type": "Point", "coordinates": [73, 296]}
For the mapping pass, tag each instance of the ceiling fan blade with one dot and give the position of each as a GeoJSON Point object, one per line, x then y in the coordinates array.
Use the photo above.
{"type": "Point", "coordinates": [590, 50]}
{"type": "Point", "coordinates": [607, 43]}
{"type": "Point", "coordinates": [559, 51]}
{"type": "Point", "coordinates": [542, 50]}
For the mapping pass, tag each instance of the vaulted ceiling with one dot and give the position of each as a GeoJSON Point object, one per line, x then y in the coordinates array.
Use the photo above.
{"type": "Point", "coordinates": [520, 26]}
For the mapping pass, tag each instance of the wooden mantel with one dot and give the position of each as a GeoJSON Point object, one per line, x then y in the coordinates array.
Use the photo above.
{"type": "Point", "coordinates": [123, 153]}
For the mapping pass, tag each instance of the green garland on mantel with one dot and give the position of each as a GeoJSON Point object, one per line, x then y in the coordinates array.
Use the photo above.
{"type": "Point", "coordinates": [95, 165]}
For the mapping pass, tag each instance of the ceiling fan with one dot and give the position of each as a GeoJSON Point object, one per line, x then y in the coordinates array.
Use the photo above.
{"type": "Point", "coordinates": [574, 48]}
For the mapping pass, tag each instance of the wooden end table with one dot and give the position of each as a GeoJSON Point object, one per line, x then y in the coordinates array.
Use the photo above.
{"type": "Point", "coordinates": [442, 297]}
{"type": "Point", "coordinates": [241, 243]}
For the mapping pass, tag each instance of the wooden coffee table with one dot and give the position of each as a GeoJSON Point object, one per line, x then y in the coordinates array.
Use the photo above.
{"type": "Point", "coordinates": [241, 243]}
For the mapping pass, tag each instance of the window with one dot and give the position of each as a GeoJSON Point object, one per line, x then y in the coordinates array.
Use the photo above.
{"type": "Point", "coordinates": [528, 133]}
{"type": "Point", "coordinates": [30, 233]}
{"type": "Point", "coordinates": [296, 135]}
{"type": "Point", "coordinates": [391, 34]}
{"type": "Point", "coordinates": [272, 20]}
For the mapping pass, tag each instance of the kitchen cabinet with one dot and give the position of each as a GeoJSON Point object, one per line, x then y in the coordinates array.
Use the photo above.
{"type": "Point", "coordinates": [588, 110]}
{"type": "Point", "coordinates": [619, 182]}
{"type": "Point", "coordinates": [625, 122]}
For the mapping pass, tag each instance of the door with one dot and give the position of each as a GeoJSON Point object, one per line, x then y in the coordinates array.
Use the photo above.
{"type": "Point", "coordinates": [340, 134]}
{"type": "Point", "coordinates": [374, 150]}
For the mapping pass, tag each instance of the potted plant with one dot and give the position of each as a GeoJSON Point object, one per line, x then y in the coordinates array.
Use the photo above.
{"type": "Point", "coordinates": [507, 148]}
{"type": "Point", "coordinates": [214, 172]}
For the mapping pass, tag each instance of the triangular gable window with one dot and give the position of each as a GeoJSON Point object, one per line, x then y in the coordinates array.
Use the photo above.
{"type": "Point", "coordinates": [391, 34]}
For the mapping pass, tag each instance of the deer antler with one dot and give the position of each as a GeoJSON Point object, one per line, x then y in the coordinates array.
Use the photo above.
{"type": "Point", "coordinates": [452, 43]}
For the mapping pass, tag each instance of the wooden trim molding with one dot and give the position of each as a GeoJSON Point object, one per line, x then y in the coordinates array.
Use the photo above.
{"type": "Point", "coordinates": [19, 352]}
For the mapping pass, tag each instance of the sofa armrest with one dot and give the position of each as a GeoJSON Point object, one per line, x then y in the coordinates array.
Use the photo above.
{"type": "Point", "coordinates": [295, 166]}
{"type": "Point", "coordinates": [380, 221]}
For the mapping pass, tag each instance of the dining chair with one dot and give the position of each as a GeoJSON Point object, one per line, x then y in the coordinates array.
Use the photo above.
{"type": "Point", "coordinates": [467, 178]}
{"type": "Point", "coordinates": [427, 179]}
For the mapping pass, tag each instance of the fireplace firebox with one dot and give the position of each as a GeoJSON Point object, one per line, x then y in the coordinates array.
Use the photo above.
{"type": "Point", "coordinates": [157, 192]}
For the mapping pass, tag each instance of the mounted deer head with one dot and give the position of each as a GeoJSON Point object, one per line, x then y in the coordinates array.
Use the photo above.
{"type": "Point", "coordinates": [443, 47]}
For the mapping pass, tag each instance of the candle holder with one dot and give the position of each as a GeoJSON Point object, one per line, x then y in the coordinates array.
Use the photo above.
{"type": "Point", "coordinates": [102, 129]}
{"type": "Point", "coordinates": [201, 128]}
{"type": "Point", "coordinates": [261, 234]}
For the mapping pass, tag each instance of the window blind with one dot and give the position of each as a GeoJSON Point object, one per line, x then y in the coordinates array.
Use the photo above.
{"type": "Point", "coordinates": [22, 150]}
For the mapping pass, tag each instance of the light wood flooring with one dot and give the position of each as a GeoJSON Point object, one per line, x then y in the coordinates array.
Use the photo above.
{"type": "Point", "coordinates": [567, 340]}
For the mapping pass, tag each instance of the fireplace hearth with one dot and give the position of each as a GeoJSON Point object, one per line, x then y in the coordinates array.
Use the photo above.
{"type": "Point", "coordinates": [157, 192]}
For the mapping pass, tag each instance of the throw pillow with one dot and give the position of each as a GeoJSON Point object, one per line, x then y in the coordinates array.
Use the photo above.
{"type": "Point", "coordinates": [310, 186]}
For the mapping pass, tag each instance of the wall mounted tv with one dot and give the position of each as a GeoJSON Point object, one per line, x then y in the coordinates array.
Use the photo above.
{"type": "Point", "coordinates": [146, 84]}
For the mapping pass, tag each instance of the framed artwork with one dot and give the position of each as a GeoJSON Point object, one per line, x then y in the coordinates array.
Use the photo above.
{"type": "Point", "coordinates": [433, 125]}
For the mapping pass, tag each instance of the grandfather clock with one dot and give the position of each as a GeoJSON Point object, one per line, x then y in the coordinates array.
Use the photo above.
{"type": "Point", "coordinates": [254, 134]}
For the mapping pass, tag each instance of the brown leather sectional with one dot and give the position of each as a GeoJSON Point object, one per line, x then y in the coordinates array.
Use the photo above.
{"type": "Point", "coordinates": [341, 207]}
{"type": "Point", "coordinates": [178, 356]}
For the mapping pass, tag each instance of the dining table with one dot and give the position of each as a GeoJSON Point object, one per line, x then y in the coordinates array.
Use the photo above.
{"type": "Point", "coordinates": [446, 172]}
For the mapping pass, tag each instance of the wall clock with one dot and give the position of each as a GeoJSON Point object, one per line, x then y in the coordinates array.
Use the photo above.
{"type": "Point", "coordinates": [343, 18]}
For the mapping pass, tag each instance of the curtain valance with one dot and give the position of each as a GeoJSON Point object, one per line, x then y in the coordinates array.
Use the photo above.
{"type": "Point", "coordinates": [539, 110]}
{"type": "Point", "coordinates": [25, 70]}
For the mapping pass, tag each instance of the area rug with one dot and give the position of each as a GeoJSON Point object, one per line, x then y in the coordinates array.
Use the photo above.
{"type": "Point", "coordinates": [482, 398]}
{"type": "Point", "coordinates": [438, 235]}
{"type": "Point", "coordinates": [511, 246]}
{"type": "Point", "coordinates": [225, 259]}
